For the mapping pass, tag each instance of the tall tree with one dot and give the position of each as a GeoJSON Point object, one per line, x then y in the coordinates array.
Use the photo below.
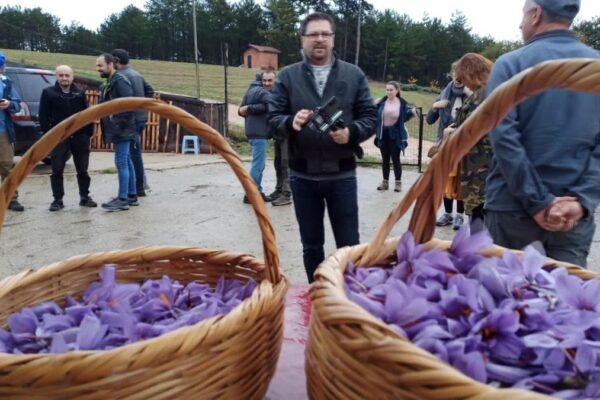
{"type": "Point", "coordinates": [127, 29]}
{"type": "Point", "coordinates": [78, 40]}
{"type": "Point", "coordinates": [589, 32]}
{"type": "Point", "coordinates": [282, 31]}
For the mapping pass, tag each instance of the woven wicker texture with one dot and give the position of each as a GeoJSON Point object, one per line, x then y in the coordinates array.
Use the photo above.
{"type": "Point", "coordinates": [353, 355]}
{"type": "Point", "coordinates": [230, 356]}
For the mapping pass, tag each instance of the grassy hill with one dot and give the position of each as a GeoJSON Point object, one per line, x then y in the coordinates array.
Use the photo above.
{"type": "Point", "coordinates": [180, 78]}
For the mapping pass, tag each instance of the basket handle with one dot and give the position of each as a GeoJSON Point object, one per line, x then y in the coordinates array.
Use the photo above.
{"type": "Point", "coordinates": [580, 75]}
{"type": "Point", "coordinates": [50, 140]}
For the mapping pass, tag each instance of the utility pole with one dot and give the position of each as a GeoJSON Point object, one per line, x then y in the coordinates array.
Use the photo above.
{"type": "Point", "coordinates": [358, 33]}
{"type": "Point", "coordinates": [196, 49]}
{"type": "Point", "coordinates": [225, 59]}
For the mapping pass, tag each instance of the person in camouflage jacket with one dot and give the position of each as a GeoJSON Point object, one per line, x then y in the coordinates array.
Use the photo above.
{"type": "Point", "coordinates": [474, 70]}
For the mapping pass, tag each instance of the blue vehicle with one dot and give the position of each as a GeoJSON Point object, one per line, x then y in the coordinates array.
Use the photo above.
{"type": "Point", "coordinates": [28, 84]}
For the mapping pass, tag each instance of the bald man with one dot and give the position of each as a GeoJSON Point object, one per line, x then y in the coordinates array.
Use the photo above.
{"type": "Point", "coordinates": [58, 103]}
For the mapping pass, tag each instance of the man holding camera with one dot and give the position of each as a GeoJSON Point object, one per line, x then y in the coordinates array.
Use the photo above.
{"type": "Point", "coordinates": [9, 104]}
{"type": "Point", "coordinates": [322, 164]}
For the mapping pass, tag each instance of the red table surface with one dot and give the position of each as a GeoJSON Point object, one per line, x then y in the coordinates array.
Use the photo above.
{"type": "Point", "coordinates": [289, 382]}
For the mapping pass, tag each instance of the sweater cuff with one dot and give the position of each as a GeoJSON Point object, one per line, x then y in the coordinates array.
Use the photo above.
{"type": "Point", "coordinates": [289, 124]}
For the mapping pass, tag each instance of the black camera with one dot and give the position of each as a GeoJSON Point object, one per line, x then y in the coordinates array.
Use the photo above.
{"type": "Point", "coordinates": [327, 117]}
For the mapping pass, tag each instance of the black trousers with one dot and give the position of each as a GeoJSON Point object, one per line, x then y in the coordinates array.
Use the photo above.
{"type": "Point", "coordinates": [79, 146]}
{"type": "Point", "coordinates": [389, 149]}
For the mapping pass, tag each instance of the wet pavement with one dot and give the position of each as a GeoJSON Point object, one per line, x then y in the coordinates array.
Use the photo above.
{"type": "Point", "coordinates": [194, 200]}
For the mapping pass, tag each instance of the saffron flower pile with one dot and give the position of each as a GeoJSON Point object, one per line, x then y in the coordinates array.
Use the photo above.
{"type": "Point", "coordinates": [110, 315]}
{"type": "Point", "coordinates": [503, 321]}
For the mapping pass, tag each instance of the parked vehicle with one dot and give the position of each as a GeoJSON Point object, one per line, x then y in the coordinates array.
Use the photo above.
{"type": "Point", "coordinates": [28, 85]}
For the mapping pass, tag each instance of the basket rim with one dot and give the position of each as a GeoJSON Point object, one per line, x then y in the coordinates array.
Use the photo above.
{"type": "Point", "coordinates": [265, 290]}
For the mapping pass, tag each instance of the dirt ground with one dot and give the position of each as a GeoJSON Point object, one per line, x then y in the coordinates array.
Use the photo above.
{"type": "Point", "coordinates": [194, 201]}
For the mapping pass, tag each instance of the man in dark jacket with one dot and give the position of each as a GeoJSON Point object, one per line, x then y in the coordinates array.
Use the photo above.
{"type": "Point", "coordinates": [118, 129]}
{"type": "Point", "coordinates": [322, 165]}
{"type": "Point", "coordinates": [141, 88]}
{"type": "Point", "coordinates": [9, 104]}
{"type": "Point", "coordinates": [58, 103]}
{"type": "Point", "coordinates": [254, 109]}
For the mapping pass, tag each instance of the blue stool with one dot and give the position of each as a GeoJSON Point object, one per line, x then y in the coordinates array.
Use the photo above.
{"type": "Point", "coordinates": [190, 143]}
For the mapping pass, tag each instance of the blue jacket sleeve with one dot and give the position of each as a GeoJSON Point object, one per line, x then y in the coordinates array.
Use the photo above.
{"type": "Point", "coordinates": [522, 179]}
{"type": "Point", "coordinates": [15, 101]}
{"type": "Point", "coordinates": [586, 189]}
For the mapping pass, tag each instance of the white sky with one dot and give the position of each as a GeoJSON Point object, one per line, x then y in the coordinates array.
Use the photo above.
{"type": "Point", "coordinates": [498, 18]}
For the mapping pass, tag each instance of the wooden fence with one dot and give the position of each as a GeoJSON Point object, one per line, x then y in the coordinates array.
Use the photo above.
{"type": "Point", "coordinates": [161, 134]}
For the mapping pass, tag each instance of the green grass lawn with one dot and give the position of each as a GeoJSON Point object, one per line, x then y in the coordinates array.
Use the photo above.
{"type": "Point", "coordinates": [180, 78]}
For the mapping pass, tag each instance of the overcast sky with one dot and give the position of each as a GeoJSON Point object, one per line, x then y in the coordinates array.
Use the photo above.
{"type": "Point", "coordinates": [500, 19]}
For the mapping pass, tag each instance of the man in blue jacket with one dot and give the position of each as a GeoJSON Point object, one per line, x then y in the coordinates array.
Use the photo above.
{"type": "Point", "coordinates": [254, 109]}
{"type": "Point", "coordinates": [544, 181]}
{"type": "Point", "coordinates": [322, 164]}
{"type": "Point", "coordinates": [9, 104]}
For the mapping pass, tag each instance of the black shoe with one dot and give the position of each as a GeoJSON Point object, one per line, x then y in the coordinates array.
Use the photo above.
{"type": "Point", "coordinates": [246, 201]}
{"type": "Point", "coordinates": [87, 202]}
{"type": "Point", "coordinates": [265, 198]}
{"type": "Point", "coordinates": [14, 205]}
{"type": "Point", "coordinates": [141, 192]}
{"type": "Point", "coordinates": [132, 201]}
{"type": "Point", "coordinates": [116, 204]}
{"type": "Point", "coordinates": [56, 205]}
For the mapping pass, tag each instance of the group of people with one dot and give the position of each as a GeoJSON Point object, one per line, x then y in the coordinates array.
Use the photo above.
{"type": "Point", "coordinates": [534, 177]}
{"type": "Point", "coordinates": [64, 99]}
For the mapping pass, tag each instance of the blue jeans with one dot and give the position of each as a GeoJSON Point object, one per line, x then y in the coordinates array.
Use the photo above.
{"type": "Point", "coordinates": [136, 155]}
{"type": "Point", "coordinates": [310, 199]}
{"type": "Point", "coordinates": [259, 155]}
{"type": "Point", "coordinates": [125, 169]}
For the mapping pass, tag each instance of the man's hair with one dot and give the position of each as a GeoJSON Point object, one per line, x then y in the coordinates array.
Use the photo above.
{"type": "Point", "coordinates": [549, 16]}
{"type": "Point", "coordinates": [318, 16]}
{"type": "Point", "coordinates": [108, 58]}
{"type": "Point", "coordinates": [473, 68]}
{"type": "Point", "coordinates": [268, 71]}
{"type": "Point", "coordinates": [121, 56]}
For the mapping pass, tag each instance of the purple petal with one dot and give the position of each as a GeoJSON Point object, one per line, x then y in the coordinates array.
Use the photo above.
{"type": "Point", "coordinates": [473, 365]}
{"type": "Point", "coordinates": [505, 374]}
{"type": "Point", "coordinates": [23, 322]}
{"type": "Point", "coordinates": [91, 333]}
{"type": "Point", "coordinates": [58, 345]}
{"type": "Point", "coordinates": [540, 340]}
{"type": "Point", "coordinates": [586, 358]}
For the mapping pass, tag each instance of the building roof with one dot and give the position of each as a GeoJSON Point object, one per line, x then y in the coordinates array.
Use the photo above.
{"type": "Point", "coordinates": [264, 49]}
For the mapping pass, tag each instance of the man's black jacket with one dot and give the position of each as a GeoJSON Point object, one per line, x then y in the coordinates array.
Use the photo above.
{"type": "Point", "coordinates": [117, 127]}
{"type": "Point", "coordinates": [310, 151]}
{"type": "Point", "coordinates": [56, 106]}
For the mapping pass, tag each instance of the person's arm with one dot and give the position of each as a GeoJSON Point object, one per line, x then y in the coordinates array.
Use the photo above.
{"type": "Point", "coordinates": [124, 89]}
{"type": "Point", "coordinates": [587, 189]}
{"type": "Point", "coordinates": [15, 102]}
{"type": "Point", "coordinates": [261, 107]}
{"type": "Point", "coordinates": [88, 129]}
{"type": "Point", "coordinates": [522, 179]}
{"type": "Point", "coordinates": [148, 90]}
{"type": "Point", "coordinates": [365, 114]}
{"type": "Point", "coordinates": [280, 114]}
{"type": "Point", "coordinates": [43, 112]}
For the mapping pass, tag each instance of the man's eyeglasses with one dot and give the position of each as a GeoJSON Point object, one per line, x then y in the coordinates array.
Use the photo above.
{"type": "Point", "coordinates": [316, 35]}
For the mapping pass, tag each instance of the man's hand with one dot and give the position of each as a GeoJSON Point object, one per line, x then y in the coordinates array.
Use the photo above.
{"type": "Point", "coordinates": [441, 104]}
{"type": "Point", "coordinates": [300, 119]}
{"type": "Point", "coordinates": [341, 136]}
{"type": "Point", "coordinates": [449, 130]}
{"type": "Point", "coordinates": [4, 104]}
{"type": "Point", "coordinates": [552, 219]}
{"type": "Point", "coordinates": [243, 111]}
{"type": "Point", "coordinates": [569, 211]}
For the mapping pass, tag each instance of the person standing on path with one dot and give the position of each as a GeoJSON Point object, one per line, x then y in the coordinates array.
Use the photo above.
{"type": "Point", "coordinates": [254, 109]}
{"type": "Point", "coordinates": [141, 88]}
{"type": "Point", "coordinates": [322, 164]}
{"type": "Point", "coordinates": [10, 104]}
{"type": "Point", "coordinates": [391, 135]}
{"type": "Point", "coordinates": [57, 103]}
{"type": "Point", "coordinates": [119, 129]}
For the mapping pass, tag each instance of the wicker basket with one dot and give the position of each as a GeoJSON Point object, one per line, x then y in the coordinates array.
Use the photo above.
{"type": "Point", "coordinates": [353, 355]}
{"type": "Point", "coordinates": [228, 356]}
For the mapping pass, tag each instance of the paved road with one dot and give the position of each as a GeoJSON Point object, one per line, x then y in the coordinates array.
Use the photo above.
{"type": "Point", "coordinates": [195, 200]}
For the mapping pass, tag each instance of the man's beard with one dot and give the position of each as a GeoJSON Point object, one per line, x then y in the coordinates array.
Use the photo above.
{"type": "Point", "coordinates": [104, 74]}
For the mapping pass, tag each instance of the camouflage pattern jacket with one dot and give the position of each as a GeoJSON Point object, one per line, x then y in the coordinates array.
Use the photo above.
{"type": "Point", "coordinates": [475, 165]}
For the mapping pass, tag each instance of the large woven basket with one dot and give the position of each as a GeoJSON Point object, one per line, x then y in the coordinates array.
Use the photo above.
{"type": "Point", "coordinates": [231, 356]}
{"type": "Point", "coordinates": [353, 355]}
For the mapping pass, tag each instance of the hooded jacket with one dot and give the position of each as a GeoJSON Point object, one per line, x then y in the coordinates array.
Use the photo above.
{"type": "Point", "coordinates": [13, 108]}
{"type": "Point", "coordinates": [117, 127]}
{"type": "Point", "coordinates": [311, 152]}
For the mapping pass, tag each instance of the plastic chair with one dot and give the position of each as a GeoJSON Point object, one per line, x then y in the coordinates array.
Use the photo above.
{"type": "Point", "coordinates": [190, 143]}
